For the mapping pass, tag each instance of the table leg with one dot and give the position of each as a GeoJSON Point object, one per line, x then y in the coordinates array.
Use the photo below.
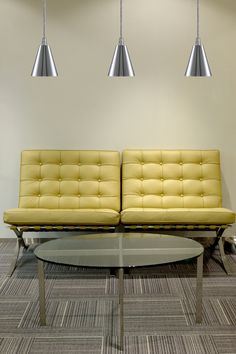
{"type": "Point", "coordinates": [199, 288]}
{"type": "Point", "coordinates": [223, 257]}
{"type": "Point", "coordinates": [121, 303]}
{"type": "Point", "coordinates": [42, 312]}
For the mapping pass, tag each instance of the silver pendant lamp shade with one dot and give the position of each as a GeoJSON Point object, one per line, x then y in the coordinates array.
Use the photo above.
{"type": "Point", "coordinates": [44, 64]}
{"type": "Point", "coordinates": [198, 65]}
{"type": "Point", "coordinates": [121, 65]}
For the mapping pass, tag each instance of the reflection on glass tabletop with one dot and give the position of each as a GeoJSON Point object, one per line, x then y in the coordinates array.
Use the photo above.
{"type": "Point", "coordinates": [118, 250]}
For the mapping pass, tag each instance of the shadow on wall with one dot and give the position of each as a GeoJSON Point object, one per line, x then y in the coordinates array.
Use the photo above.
{"type": "Point", "coordinates": [223, 5]}
{"type": "Point", "coordinates": [60, 7]}
{"type": "Point", "coordinates": [225, 193]}
{"type": "Point", "coordinates": [65, 7]}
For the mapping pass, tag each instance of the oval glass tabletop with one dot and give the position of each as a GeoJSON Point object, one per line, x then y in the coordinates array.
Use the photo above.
{"type": "Point", "coordinates": [118, 250]}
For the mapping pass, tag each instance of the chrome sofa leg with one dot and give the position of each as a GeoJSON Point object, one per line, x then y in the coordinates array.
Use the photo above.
{"type": "Point", "coordinates": [219, 233]}
{"type": "Point", "coordinates": [223, 257]}
{"type": "Point", "coordinates": [19, 234]}
{"type": "Point", "coordinates": [19, 243]}
{"type": "Point", "coordinates": [15, 259]}
{"type": "Point", "coordinates": [219, 241]}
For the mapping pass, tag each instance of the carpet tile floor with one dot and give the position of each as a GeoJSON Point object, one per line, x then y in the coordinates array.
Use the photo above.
{"type": "Point", "coordinates": [82, 309]}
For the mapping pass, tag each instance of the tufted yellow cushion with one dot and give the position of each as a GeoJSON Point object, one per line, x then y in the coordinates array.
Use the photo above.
{"type": "Point", "coordinates": [34, 216]}
{"type": "Point", "coordinates": [54, 180]}
{"type": "Point", "coordinates": [205, 216]}
{"type": "Point", "coordinates": [154, 181]}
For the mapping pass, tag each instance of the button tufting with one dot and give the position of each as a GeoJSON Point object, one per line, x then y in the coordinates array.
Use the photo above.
{"type": "Point", "coordinates": [59, 180]}
{"type": "Point", "coordinates": [40, 163]}
{"type": "Point", "coordinates": [181, 195]}
{"type": "Point", "coordinates": [39, 195]}
{"type": "Point", "coordinates": [161, 163]}
{"type": "Point", "coordinates": [79, 195]}
{"type": "Point", "coordinates": [59, 195]}
{"type": "Point", "coordinates": [162, 195]}
{"type": "Point", "coordinates": [181, 163]}
{"type": "Point", "coordinates": [162, 179]}
{"type": "Point", "coordinates": [99, 180]}
{"type": "Point", "coordinates": [181, 179]}
{"type": "Point", "coordinates": [79, 179]}
{"type": "Point", "coordinates": [200, 163]}
{"type": "Point", "coordinates": [141, 178]}
{"type": "Point", "coordinates": [202, 195]}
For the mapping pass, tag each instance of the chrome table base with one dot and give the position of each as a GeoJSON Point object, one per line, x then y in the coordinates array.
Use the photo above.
{"type": "Point", "coordinates": [121, 304]}
{"type": "Point", "coordinates": [42, 303]}
{"type": "Point", "coordinates": [199, 289]}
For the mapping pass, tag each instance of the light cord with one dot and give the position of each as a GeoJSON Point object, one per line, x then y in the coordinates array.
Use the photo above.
{"type": "Point", "coordinates": [198, 19]}
{"type": "Point", "coordinates": [44, 18]}
{"type": "Point", "coordinates": [121, 19]}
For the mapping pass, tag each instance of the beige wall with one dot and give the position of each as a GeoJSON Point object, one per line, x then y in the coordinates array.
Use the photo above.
{"type": "Point", "coordinates": [84, 109]}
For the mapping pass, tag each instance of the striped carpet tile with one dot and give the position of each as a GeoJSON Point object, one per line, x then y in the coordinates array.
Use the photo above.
{"type": "Point", "coordinates": [15, 345]}
{"type": "Point", "coordinates": [132, 344]}
{"type": "Point", "coordinates": [182, 345]}
{"type": "Point", "coordinates": [78, 286]}
{"type": "Point", "coordinates": [69, 345]}
{"type": "Point", "coordinates": [225, 344]}
{"type": "Point", "coordinates": [83, 311]}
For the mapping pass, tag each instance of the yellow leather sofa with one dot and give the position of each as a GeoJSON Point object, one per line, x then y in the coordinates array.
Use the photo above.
{"type": "Point", "coordinates": [174, 189]}
{"type": "Point", "coordinates": [161, 189]}
{"type": "Point", "coordinates": [66, 190]}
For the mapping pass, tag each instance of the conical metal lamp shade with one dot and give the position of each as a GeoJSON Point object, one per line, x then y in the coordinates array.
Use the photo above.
{"type": "Point", "coordinates": [198, 65]}
{"type": "Point", "coordinates": [44, 63]}
{"type": "Point", "coordinates": [121, 64]}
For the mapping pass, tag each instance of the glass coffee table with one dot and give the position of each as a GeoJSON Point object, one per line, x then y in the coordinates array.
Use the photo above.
{"type": "Point", "coordinates": [119, 251]}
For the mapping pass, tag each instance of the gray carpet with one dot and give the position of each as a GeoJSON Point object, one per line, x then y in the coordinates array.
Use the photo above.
{"type": "Point", "coordinates": [82, 310]}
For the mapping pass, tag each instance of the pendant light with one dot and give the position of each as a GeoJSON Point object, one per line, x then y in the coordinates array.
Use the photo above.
{"type": "Point", "coordinates": [198, 65]}
{"type": "Point", "coordinates": [44, 63]}
{"type": "Point", "coordinates": [121, 65]}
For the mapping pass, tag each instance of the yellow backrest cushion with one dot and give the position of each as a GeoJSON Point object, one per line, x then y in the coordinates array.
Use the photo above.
{"type": "Point", "coordinates": [171, 179]}
{"type": "Point", "coordinates": [70, 179]}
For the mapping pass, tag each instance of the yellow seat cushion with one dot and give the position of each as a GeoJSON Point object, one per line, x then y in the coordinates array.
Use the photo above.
{"type": "Point", "coordinates": [172, 187]}
{"type": "Point", "coordinates": [215, 216]}
{"type": "Point", "coordinates": [68, 187]}
{"type": "Point", "coordinates": [31, 216]}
